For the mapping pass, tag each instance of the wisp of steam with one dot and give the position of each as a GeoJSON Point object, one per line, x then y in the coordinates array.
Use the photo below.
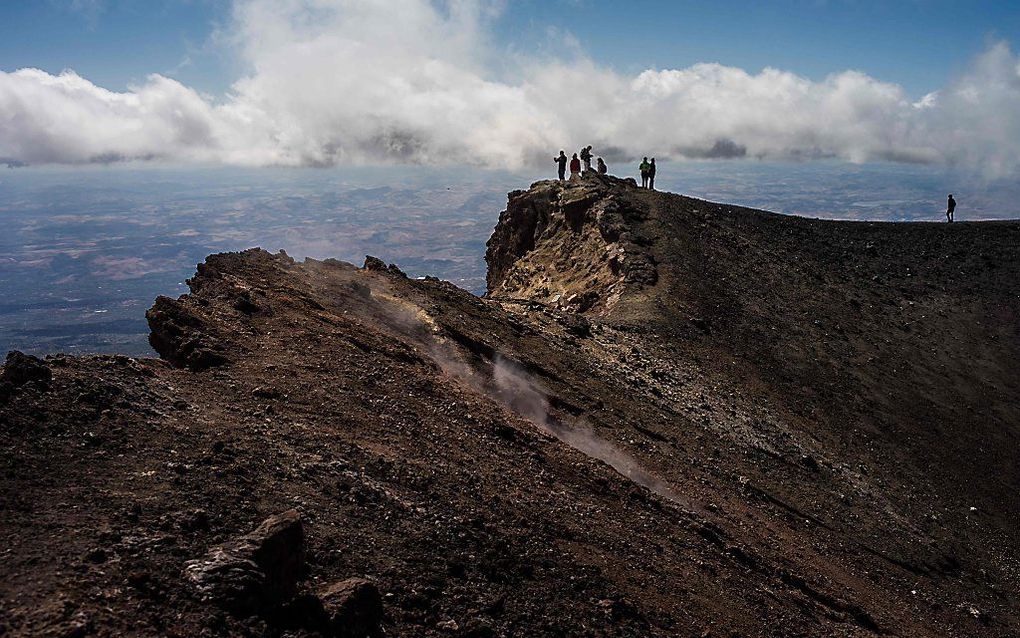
{"type": "Point", "coordinates": [520, 393]}
{"type": "Point", "coordinates": [513, 387]}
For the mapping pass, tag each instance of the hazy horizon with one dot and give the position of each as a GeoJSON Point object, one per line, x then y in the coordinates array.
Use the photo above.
{"type": "Point", "coordinates": [87, 250]}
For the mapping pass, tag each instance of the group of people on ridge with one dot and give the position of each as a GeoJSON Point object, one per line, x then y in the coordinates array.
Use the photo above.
{"type": "Point", "coordinates": [576, 161]}
{"type": "Point", "coordinates": [582, 161]}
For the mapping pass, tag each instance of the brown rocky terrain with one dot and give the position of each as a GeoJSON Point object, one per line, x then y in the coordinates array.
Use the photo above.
{"type": "Point", "coordinates": [667, 418]}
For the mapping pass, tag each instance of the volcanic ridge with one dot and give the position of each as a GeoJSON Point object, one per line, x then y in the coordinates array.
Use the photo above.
{"type": "Point", "coordinates": [667, 417]}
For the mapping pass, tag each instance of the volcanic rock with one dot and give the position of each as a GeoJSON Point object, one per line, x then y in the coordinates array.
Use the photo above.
{"type": "Point", "coordinates": [666, 417]}
{"type": "Point", "coordinates": [20, 368]}
{"type": "Point", "coordinates": [261, 567]}
{"type": "Point", "coordinates": [354, 607]}
{"type": "Point", "coordinates": [178, 336]}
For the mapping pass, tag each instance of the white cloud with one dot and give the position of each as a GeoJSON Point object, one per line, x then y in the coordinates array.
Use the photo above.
{"type": "Point", "coordinates": [67, 119]}
{"type": "Point", "coordinates": [353, 81]}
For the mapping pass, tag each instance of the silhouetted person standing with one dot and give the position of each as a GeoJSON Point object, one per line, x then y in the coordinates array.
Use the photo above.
{"type": "Point", "coordinates": [644, 168]}
{"type": "Point", "coordinates": [561, 165]}
{"type": "Point", "coordinates": [575, 167]}
{"type": "Point", "coordinates": [586, 158]}
{"type": "Point", "coordinates": [950, 208]}
{"type": "Point", "coordinates": [601, 167]}
{"type": "Point", "coordinates": [651, 174]}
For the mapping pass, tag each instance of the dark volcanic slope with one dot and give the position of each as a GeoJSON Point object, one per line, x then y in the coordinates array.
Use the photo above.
{"type": "Point", "coordinates": [669, 418]}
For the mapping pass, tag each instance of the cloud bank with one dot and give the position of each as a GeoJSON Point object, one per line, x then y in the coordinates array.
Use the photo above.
{"type": "Point", "coordinates": [418, 81]}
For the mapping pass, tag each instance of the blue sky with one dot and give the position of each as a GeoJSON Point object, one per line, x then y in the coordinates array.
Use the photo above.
{"type": "Point", "coordinates": [918, 44]}
{"type": "Point", "coordinates": [915, 43]}
{"type": "Point", "coordinates": [116, 42]}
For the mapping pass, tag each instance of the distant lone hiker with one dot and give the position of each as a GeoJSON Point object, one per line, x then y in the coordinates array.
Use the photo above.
{"type": "Point", "coordinates": [645, 167]}
{"type": "Point", "coordinates": [561, 164]}
{"type": "Point", "coordinates": [950, 208]}
{"type": "Point", "coordinates": [651, 174]}
{"type": "Point", "coordinates": [601, 167]}
{"type": "Point", "coordinates": [575, 167]}
{"type": "Point", "coordinates": [586, 158]}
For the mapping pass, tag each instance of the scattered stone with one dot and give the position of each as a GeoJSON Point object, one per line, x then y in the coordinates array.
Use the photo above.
{"type": "Point", "coordinates": [704, 325]}
{"type": "Point", "coordinates": [809, 462]}
{"type": "Point", "coordinates": [448, 625]}
{"type": "Point", "coordinates": [245, 304]}
{"type": "Point", "coordinates": [197, 520]}
{"type": "Point", "coordinates": [96, 556]}
{"type": "Point", "coordinates": [354, 607]}
{"type": "Point", "coordinates": [265, 393]}
{"type": "Point", "coordinates": [78, 627]}
{"type": "Point", "coordinates": [577, 325]}
{"type": "Point", "coordinates": [620, 609]}
{"type": "Point", "coordinates": [478, 628]}
{"type": "Point", "coordinates": [976, 613]}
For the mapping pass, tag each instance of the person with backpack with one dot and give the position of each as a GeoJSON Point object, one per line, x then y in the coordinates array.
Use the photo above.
{"type": "Point", "coordinates": [601, 167]}
{"type": "Point", "coordinates": [586, 158]}
{"type": "Point", "coordinates": [561, 165]}
{"type": "Point", "coordinates": [644, 168]}
{"type": "Point", "coordinates": [651, 174]}
{"type": "Point", "coordinates": [575, 167]}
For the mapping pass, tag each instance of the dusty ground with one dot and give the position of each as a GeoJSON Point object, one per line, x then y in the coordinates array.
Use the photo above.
{"type": "Point", "coordinates": [756, 426]}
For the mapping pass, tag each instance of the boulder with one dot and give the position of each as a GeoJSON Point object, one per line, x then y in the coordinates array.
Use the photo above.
{"type": "Point", "coordinates": [354, 607]}
{"type": "Point", "coordinates": [259, 568]}
{"type": "Point", "coordinates": [577, 325]}
{"type": "Point", "coordinates": [21, 368]}
{"type": "Point", "coordinates": [227, 579]}
{"type": "Point", "coordinates": [374, 263]}
{"type": "Point", "coordinates": [278, 547]}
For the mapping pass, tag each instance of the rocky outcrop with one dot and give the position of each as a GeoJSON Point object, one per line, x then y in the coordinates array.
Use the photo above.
{"type": "Point", "coordinates": [20, 368]}
{"type": "Point", "coordinates": [188, 331]}
{"type": "Point", "coordinates": [378, 265]}
{"type": "Point", "coordinates": [257, 569]}
{"type": "Point", "coordinates": [178, 336]}
{"type": "Point", "coordinates": [575, 244]}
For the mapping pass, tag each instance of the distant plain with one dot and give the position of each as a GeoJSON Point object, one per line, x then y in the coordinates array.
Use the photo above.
{"type": "Point", "coordinates": [84, 252]}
